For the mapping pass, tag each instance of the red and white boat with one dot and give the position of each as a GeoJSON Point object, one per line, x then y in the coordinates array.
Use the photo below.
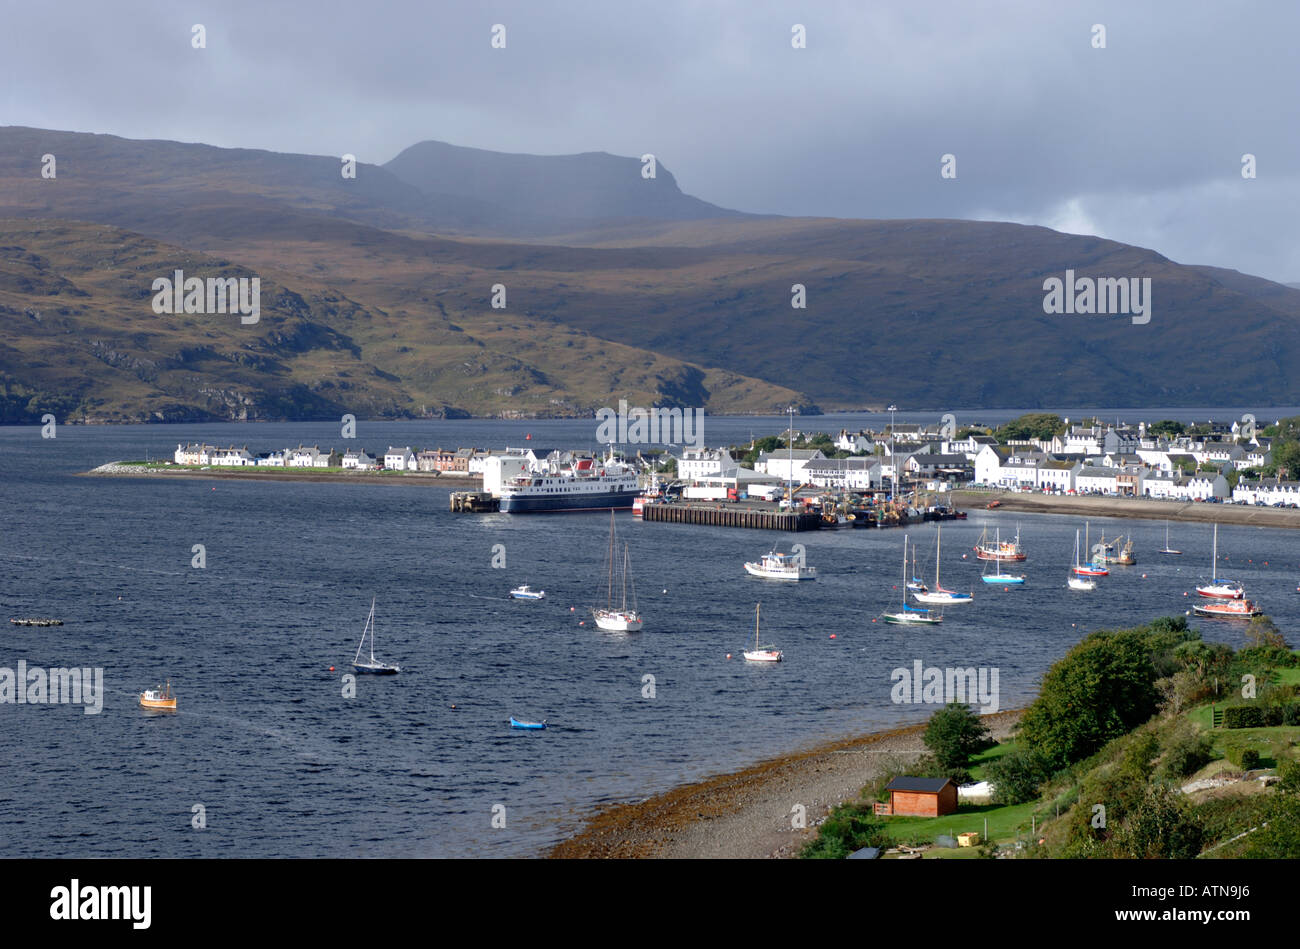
{"type": "Point", "coordinates": [1008, 550]}
{"type": "Point", "coordinates": [1087, 569]}
{"type": "Point", "coordinates": [1219, 589]}
{"type": "Point", "coordinates": [1230, 608]}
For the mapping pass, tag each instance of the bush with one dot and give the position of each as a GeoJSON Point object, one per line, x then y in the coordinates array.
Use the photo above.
{"type": "Point", "coordinates": [1243, 716]}
{"type": "Point", "coordinates": [954, 733]}
{"type": "Point", "coordinates": [1291, 713]}
{"type": "Point", "coordinates": [1243, 757]}
{"type": "Point", "coordinates": [1017, 776]}
{"type": "Point", "coordinates": [1186, 751]}
{"type": "Point", "coordinates": [1162, 826]}
{"type": "Point", "coordinates": [1288, 769]}
{"type": "Point", "coordinates": [848, 827]}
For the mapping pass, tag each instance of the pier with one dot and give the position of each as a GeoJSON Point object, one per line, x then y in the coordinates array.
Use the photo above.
{"type": "Point", "coordinates": [474, 502]}
{"type": "Point", "coordinates": [716, 515]}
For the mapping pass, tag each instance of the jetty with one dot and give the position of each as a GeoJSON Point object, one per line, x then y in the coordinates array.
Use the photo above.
{"type": "Point", "coordinates": [731, 515]}
{"type": "Point", "coordinates": [474, 502]}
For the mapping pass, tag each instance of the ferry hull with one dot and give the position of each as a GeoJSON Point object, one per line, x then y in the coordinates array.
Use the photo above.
{"type": "Point", "coordinates": [523, 504]}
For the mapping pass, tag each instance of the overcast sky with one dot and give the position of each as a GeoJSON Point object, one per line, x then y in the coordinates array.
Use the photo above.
{"type": "Point", "coordinates": [1141, 141]}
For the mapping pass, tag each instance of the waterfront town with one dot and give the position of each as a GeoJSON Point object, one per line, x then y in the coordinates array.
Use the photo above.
{"type": "Point", "coordinates": [1213, 462]}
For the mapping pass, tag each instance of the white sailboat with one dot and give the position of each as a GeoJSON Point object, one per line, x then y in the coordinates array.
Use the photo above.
{"type": "Point", "coordinates": [939, 595]}
{"type": "Point", "coordinates": [1167, 549]}
{"type": "Point", "coordinates": [911, 615]}
{"type": "Point", "coordinates": [1078, 581]}
{"type": "Point", "coordinates": [1216, 588]}
{"type": "Point", "coordinates": [761, 653]}
{"type": "Point", "coordinates": [618, 619]}
{"type": "Point", "coordinates": [373, 666]}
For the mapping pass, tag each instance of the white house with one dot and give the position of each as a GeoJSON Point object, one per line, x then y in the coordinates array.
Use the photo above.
{"type": "Point", "coordinates": [301, 457]}
{"type": "Point", "coordinates": [849, 474]}
{"type": "Point", "coordinates": [358, 460]}
{"type": "Point", "coordinates": [1267, 492]}
{"type": "Point", "coordinates": [232, 457]}
{"type": "Point", "coordinates": [193, 454]}
{"type": "Point", "coordinates": [787, 465]}
{"type": "Point", "coordinates": [697, 463]}
{"type": "Point", "coordinates": [274, 459]}
{"type": "Point", "coordinates": [1097, 480]}
{"type": "Point", "coordinates": [399, 459]}
{"type": "Point", "coordinates": [739, 480]}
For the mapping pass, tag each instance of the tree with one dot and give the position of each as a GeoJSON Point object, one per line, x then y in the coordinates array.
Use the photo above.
{"type": "Point", "coordinates": [1262, 631]}
{"type": "Point", "coordinates": [954, 733]}
{"type": "Point", "coordinates": [1166, 427]}
{"type": "Point", "coordinates": [1031, 425]}
{"type": "Point", "coordinates": [1101, 689]}
{"type": "Point", "coordinates": [1017, 775]}
{"type": "Point", "coordinates": [1286, 456]}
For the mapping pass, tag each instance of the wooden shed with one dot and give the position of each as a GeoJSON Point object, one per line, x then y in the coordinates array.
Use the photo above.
{"type": "Point", "coordinates": [921, 797]}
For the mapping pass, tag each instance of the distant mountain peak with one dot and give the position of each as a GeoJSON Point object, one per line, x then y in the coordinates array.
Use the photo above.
{"type": "Point", "coordinates": [580, 189]}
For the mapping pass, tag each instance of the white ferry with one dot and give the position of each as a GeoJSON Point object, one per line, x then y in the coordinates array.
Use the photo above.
{"type": "Point", "coordinates": [586, 485]}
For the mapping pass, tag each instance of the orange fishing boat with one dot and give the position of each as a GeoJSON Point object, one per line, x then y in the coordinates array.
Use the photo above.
{"type": "Point", "coordinates": [160, 698]}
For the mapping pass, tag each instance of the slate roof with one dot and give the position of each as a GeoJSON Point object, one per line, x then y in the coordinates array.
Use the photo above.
{"type": "Point", "coordinates": [923, 785]}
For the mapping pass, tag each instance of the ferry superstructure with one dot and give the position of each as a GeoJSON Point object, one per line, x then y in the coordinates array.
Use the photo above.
{"type": "Point", "coordinates": [586, 485]}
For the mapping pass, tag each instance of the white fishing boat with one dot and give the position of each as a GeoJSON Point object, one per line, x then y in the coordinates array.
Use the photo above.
{"type": "Point", "coordinates": [618, 619]}
{"type": "Point", "coordinates": [908, 614]}
{"type": "Point", "coordinates": [1078, 581]}
{"type": "Point", "coordinates": [940, 596]}
{"type": "Point", "coordinates": [761, 653]}
{"type": "Point", "coordinates": [1219, 589]}
{"type": "Point", "coordinates": [778, 566]}
{"type": "Point", "coordinates": [372, 666]}
{"type": "Point", "coordinates": [526, 592]}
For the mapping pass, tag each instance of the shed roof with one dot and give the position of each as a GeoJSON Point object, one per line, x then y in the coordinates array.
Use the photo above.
{"type": "Point", "coordinates": [923, 785]}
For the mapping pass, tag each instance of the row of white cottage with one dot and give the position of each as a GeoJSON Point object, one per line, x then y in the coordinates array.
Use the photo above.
{"type": "Point", "coordinates": [311, 456]}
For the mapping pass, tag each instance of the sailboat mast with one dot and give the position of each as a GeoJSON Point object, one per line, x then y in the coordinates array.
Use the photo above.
{"type": "Point", "coordinates": [625, 556]}
{"type": "Point", "coordinates": [1214, 557]}
{"type": "Point", "coordinates": [938, 537]}
{"type": "Point", "coordinates": [609, 593]}
{"type": "Point", "coordinates": [757, 606]}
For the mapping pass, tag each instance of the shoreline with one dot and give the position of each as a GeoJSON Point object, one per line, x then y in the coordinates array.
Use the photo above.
{"type": "Point", "coordinates": [117, 469]}
{"type": "Point", "coordinates": [746, 814]}
{"type": "Point", "coordinates": [1137, 508]}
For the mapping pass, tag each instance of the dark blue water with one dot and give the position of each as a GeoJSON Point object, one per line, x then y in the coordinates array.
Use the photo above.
{"type": "Point", "coordinates": [286, 766]}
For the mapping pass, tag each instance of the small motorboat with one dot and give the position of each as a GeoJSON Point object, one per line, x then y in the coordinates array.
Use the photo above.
{"type": "Point", "coordinates": [1082, 583]}
{"type": "Point", "coordinates": [516, 723]}
{"type": "Point", "coordinates": [526, 592]}
{"type": "Point", "coordinates": [778, 566]}
{"type": "Point", "coordinates": [160, 698]}
{"type": "Point", "coordinates": [1232, 609]}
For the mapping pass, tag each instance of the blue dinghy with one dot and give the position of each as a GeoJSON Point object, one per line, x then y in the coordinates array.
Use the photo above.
{"type": "Point", "coordinates": [515, 723]}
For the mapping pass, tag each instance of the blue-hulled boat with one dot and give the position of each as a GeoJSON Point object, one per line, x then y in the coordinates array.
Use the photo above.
{"type": "Point", "coordinates": [516, 723]}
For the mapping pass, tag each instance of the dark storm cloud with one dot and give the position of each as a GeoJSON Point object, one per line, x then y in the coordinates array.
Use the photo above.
{"type": "Point", "coordinates": [1140, 141]}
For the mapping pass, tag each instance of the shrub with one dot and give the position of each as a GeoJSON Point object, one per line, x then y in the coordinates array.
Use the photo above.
{"type": "Point", "coordinates": [1288, 769]}
{"type": "Point", "coordinates": [1243, 757]}
{"type": "Point", "coordinates": [954, 733]}
{"type": "Point", "coordinates": [1278, 836]}
{"type": "Point", "coordinates": [1017, 776]}
{"type": "Point", "coordinates": [1186, 751]}
{"type": "Point", "coordinates": [847, 828]}
{"type": "Point", "coordinates": [1243, 716]}
{"type": "Point", "coordinates": [1291, 713]}
{"type": "Point", "coordinates": [1162, 826]}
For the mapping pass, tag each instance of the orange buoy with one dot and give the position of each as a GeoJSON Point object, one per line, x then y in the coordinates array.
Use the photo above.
{"type": "Point", "coordinates": [331, 668]}
{"type": "Point", "coordinates": [832, 635]}
{"type": "Point", "coordinates": [728, 655]}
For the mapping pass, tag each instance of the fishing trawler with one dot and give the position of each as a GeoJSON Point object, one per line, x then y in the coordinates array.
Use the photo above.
{"type": "Point", "coordinates": [1232, 609]}
{"type": "Point", "coordinates": [159, 699]}
{"type": "Point", "coordinates": [778, 566]}
{"type": "Point", "coordinates": [1000, 549]}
